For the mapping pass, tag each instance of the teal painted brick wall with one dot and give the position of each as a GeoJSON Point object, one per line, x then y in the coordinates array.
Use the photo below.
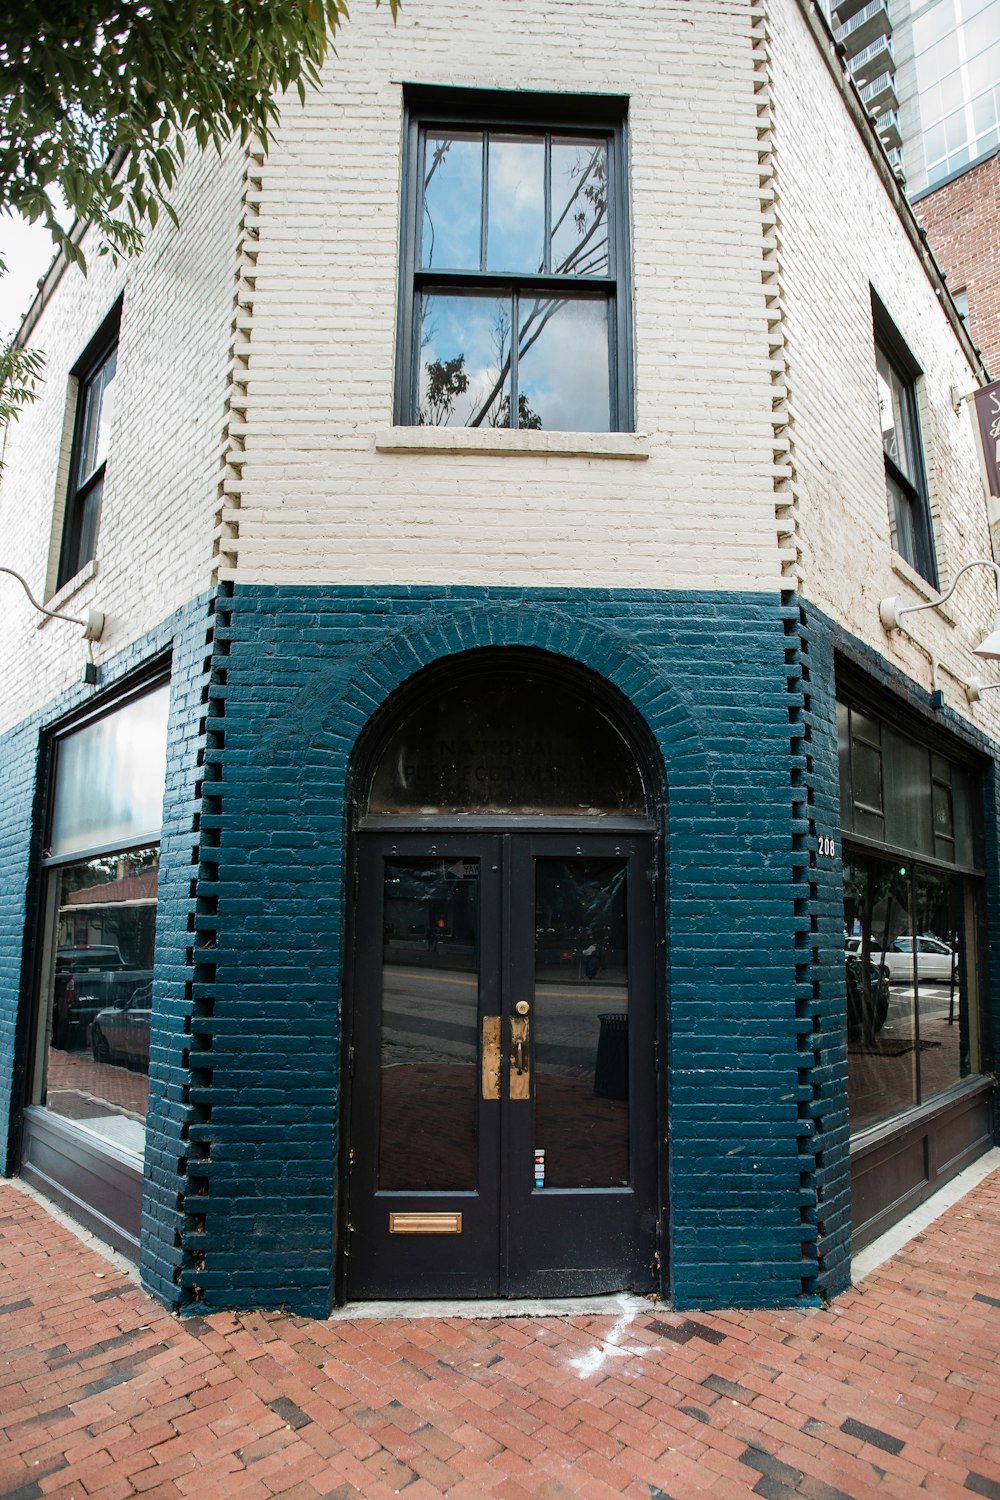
{"type": "Point", "coordinates": [304, 671]}
{"type": "Point", "coordinates": [22, 814]}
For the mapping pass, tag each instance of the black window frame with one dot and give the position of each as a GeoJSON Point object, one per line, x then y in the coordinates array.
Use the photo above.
{"type": "Point", "coordinates": [893, 349]}
{"type": "Point", "coordinates": [84, 495]}
{"type": "Point", "coordinates": [428, 107]}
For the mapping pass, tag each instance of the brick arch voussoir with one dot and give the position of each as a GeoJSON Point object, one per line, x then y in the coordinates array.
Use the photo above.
{"type": "Point", "coordinates": [603, 649]}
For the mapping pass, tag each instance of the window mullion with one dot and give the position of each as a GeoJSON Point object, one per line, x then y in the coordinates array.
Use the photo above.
{"type": "Point", "coordinates": [515, 338]}
{"type": "Point", "coordinates": [547, 230]}
{"type": "Point", "coordinates": [484, 201]}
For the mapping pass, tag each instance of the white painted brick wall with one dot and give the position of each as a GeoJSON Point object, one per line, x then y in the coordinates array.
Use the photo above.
{"type": "Point", "coordinates": [840, 236]}
{"type": "Point", "coordinates": [319, 503]}
{"type": "Point", "coordinates": [154, 548]}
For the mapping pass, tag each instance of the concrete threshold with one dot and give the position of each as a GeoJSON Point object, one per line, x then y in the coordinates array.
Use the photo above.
{"type": "Point", "coordinates": [614, 1304]}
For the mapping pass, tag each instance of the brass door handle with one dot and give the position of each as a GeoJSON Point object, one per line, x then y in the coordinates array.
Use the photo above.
{"type": "Point", "coordinates": [520, 1067]}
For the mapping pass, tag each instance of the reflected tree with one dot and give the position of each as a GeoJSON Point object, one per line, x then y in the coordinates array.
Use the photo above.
{"type": "Point", "coordinates": [446, 381]}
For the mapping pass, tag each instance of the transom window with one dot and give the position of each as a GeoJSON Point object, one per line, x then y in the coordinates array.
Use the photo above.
{"type": "Point", "coordinates": [514, 259]}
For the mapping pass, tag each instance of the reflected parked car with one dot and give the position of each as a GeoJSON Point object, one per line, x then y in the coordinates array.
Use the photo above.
{"type": "Point", "coordinates": [120, 1033]}
{"type": "Point", "coordinates": [867, 999]}
{"type": "Point", "coordinates": [935, 960]}
{"type": "Point", "coordinates": [74, 1004]}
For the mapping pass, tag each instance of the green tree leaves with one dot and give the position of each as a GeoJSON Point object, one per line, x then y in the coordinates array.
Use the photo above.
{"type": "Point", "coordinates": [97, 97]}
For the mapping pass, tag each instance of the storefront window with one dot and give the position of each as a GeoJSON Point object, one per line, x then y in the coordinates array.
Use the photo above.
{"type": "Point", "coordinates": [910, 926]}
{"type": "Point", "coordinates": [98, 1060]}
{"type": "Point", "coordinates": [92, 1058]}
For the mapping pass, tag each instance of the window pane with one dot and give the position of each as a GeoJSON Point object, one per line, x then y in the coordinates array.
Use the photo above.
{"type": "Point", "coordinates": [90, 512]}
{"type": "Point", "coordinates": [464, 361]}
{"type": "Point", "coordinates": [452, 201]}
{"type": "Point", "coordinates": [909, 530]}
{"type": "Point", "coordinates": [580, 1026]}
{"type": "Point", "coordinates": [935, 23]}
{"type": "Point", "coordinates": [110, 776]}
{"type": "Point", "coordinates": [579, 236]}
{"type": "Point", "coordinates": [867, 776]}
{"type": "Point", "coordinates": [943, 994]}
{"type": "Point", "coordinates": [898, 436]}
{"type": "Point", "coordinates": [964, 794]}
{"type": "Point", "coordinates": [429, 1027]}
{"type": "Point", "coordinates": [844, 758]}
{"type": "Point", "coordinates": [97, 418]}
{"type": "Point", "coordinates": [937, 61]}
{"type": "Point", "coordinates": [563, 381]}
{"type": "Point", "coordinates": [908, 819]}
{"type": "Point", "coordinates": [881, 1019]}
{"type": "Point", "coordinates": [99, 1002]}
{"type": "Point", "coordinates": [516, 216]}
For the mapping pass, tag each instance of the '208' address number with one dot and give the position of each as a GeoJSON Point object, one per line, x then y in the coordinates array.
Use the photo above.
{"type": "Point", "coordinates": [826, 847]}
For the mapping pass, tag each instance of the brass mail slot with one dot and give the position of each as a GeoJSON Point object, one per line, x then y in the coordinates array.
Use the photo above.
{"type": "Point", "coordinates": [425, 1223]}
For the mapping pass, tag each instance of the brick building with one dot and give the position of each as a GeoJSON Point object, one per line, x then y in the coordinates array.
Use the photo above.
{"type": "Point", "coordinates": [962, 219]}
{"type": "Point", "coordinates": [564, 880]}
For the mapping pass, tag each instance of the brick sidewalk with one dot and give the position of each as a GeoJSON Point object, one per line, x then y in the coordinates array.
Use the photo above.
{"type": "Point", "coordinates": [894, 1391]}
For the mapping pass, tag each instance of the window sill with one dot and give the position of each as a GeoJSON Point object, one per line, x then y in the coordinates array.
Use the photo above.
{"type": "Point", "coordinates": [502, 443]}
{"type": "Point", "coordinates": [920, 585]}
{"type": "Point", "coordinates": [73, 586]}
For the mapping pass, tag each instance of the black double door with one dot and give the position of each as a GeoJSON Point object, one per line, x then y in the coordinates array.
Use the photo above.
{"type": "Point", "coordinates": [502, 1085]}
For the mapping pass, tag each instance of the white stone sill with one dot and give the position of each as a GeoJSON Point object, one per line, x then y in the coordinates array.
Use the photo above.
{"type": "Point", "coordinates": [504, 443]}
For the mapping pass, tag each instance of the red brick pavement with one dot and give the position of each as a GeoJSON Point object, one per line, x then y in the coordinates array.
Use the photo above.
{"type": "Point", "coordinates": [892, 1392]}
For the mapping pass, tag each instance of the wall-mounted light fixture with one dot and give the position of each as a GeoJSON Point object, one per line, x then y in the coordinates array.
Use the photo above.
{"type": "Point", "coordinates": [891, 611]}
{"type": "Point", "coordinates": [976, 687]}
{"type": "Point", "coordinates": [93, 625]}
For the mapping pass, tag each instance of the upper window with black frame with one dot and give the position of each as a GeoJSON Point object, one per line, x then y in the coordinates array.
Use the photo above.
{"type": "Point", "coordinates": [95, 375]}
{"type": "Point", "coordinates": [905, 479]}
{"type": "Point", "coordinates": [514, 291]}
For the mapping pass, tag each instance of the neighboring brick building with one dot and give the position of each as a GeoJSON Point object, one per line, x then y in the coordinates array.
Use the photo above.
{"type": "Point", "coordinates": [962, 219]}
{"type": "Point", "coordinates": [527, 739]}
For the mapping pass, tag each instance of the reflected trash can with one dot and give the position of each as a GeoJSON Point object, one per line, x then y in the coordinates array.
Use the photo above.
{"type": "Point", "coordinates": [611, 1068]}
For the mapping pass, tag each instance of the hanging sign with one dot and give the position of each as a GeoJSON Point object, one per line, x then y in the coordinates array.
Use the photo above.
{"type": "Point", "coordinates": [988, 416]}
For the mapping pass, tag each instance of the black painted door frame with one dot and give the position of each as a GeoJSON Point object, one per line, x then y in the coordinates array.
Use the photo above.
{"type": "Point", "coordinates": [515, 1239]}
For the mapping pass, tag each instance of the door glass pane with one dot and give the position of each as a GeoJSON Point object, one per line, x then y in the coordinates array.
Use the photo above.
{"type": "Point", "coordinates": [580, 1024]}
{"type": "Point", "coordinates": [429, 1025]}
{"type": "Point", "coordinates": [98, 1003]}
{"type": "Point", "coordinates": [464, 361]}
{"type": "Point", "coordinates": [562, 375]}
{"type": "Point", "coordinates": [452, 200]}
